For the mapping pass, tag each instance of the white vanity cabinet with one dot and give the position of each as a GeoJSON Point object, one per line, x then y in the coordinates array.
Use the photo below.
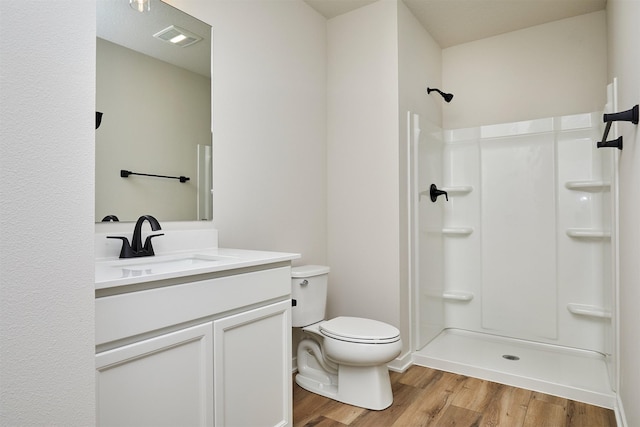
{"type": "Point", "coordinates": [163, 381]}
{"type": "Point", "coordinates": [252, 367]}
{"type": "Point", "coordinates": [205, 350]}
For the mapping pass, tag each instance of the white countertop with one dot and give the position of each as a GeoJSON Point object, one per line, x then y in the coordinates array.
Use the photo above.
{"type": "Point", "coordinates": [120, 272]}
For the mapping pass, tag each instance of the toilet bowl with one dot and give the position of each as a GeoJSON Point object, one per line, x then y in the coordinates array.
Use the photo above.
{"type": "Point", "coordinates": [344, 358]}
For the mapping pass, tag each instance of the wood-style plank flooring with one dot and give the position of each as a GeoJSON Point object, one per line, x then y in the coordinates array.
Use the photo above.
{"type": "Point", "coordinates": [428, 397]}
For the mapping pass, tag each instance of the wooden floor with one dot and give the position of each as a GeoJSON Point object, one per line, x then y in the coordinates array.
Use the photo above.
{"type": "Point", "coordinates": [427, 397]}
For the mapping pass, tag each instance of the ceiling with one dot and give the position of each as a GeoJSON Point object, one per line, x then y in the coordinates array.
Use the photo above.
{"type": "Point", "coordinates": [452, 22]}
{"type": "Point", "coordinates": [120, 24]}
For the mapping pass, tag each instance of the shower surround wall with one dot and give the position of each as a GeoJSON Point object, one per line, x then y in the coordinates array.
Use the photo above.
{"type": "Point", "coordinates": [526, 234]}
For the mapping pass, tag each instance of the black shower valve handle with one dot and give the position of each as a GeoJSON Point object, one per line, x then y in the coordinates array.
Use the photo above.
{"type": "Point", "coordinates": [434, 193]}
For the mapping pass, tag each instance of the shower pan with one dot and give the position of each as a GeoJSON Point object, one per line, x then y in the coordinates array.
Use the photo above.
{"type": "Point", "coordinates": [512, 276]}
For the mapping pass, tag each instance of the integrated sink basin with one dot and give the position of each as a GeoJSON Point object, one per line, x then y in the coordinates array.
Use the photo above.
{"type": "Point", "coordinates": [116, 272]}
{"type": "Point", "coordinates": [159, 265]}
{"type": "Point", "coordinates": [132, 270]}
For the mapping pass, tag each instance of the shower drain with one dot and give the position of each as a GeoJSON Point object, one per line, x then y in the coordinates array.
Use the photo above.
{"type": "Point", "coordinates": [510, 357]}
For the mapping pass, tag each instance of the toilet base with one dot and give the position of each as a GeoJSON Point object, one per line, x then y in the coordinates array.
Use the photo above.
{"type": "Point", "coordinates": [364, 386]}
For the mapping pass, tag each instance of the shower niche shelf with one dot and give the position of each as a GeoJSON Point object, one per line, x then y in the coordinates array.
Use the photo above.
{"type": "Point", "coordinates": [588, 233]}
{"type": "Point", "coordinates": [589, 310]}
{"type": "Point", "coordinates": [590, 186]}
{"type": "Point", "coordinates": [457, 231]}
{"type": "Point", "coordinates": [457, 296]}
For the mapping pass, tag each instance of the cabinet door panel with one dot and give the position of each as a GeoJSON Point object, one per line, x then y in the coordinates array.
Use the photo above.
{"type": "Point", "coordinates": [252, 367]}
{"type": "Point", "coordinates": [162, 381]}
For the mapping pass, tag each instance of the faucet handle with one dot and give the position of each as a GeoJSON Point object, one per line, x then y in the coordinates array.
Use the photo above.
{"type": "Point", "coordinates": [126, 251]}
{"type": "Point", "coordinates": [148, 247]}
{"type": "Point", "coordinates": [434, 193]}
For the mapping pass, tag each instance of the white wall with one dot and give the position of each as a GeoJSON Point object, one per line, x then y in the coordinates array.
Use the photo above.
{"type": "Point", "coordinates": [269, 124]}
{"type": "Point", "coordinates": [624, 63]}
{"type": "Point", "coordinates": [548, 70]}
{"type": "Point", "coordinates": [420, 66]}
{"type": "Point", "coordinates": [363, 163]}
{"type": "Point", "coordinates": [155, 116]}
{"type": "Point", "coordinates": [46, 213]}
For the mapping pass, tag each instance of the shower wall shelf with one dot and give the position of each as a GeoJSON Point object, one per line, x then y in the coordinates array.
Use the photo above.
{"type": "Point", "coordinates": [451, 191]}
{"type": "Point", "coordinates": [457, 295]}
{"type": "Point", "coordinates": [458, 190]}
{"type": "Point", "coordinates": [591, 186]}
{"type": "Point", "coordinates": [589, 310]}
{"type": "Point", "coordinates": [457, 231]}
{"type": "Point", "coordinates": [588, 233]}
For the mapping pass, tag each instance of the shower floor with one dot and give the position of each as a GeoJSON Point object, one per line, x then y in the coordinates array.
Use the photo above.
{"type": "Point", "coordinates": [573, 374]}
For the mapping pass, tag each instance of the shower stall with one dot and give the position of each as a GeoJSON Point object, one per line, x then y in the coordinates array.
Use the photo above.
{"type": "Point", "coordinates": [513, 277]}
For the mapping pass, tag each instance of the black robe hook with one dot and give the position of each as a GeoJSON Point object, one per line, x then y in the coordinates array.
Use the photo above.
{"type": "Point", "coordinates": [98, 119]}
{"type": "Point", "coordinates": [623, 116]}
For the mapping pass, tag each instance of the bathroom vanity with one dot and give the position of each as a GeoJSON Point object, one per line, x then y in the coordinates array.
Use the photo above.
{"type": "Point", "coordinates": [194, 339]}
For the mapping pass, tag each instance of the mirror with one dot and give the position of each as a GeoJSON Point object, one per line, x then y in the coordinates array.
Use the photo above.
{"type": "Point", "coordinates": [155, 100]}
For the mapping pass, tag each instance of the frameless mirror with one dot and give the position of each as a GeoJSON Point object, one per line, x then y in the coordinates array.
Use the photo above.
{"type": "Point", "coordinates": [153, 88]}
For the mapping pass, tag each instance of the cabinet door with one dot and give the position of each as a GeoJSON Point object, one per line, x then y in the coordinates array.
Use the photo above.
{"type": "Point", "coordinates": [162, 381]}
{"type": "Point", "coordinates": [252, 367]}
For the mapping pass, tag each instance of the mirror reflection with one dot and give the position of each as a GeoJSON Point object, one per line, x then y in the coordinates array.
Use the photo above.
{"type": "Point", "coordinates": [155, 98]}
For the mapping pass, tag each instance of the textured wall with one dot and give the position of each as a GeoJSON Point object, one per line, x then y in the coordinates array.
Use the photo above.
{"type": "Point", "coordinates": [47, 54]}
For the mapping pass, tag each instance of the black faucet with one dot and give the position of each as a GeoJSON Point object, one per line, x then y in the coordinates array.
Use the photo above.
{"type": "Point", "coordinates": [136, 248]}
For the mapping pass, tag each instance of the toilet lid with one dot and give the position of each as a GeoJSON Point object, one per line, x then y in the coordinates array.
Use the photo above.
{"type": "Point", "coordinates": [357, 329]}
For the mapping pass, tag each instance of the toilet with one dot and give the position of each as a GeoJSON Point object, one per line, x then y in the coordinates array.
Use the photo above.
{"type": "Point", "coordinates": [344, 358]}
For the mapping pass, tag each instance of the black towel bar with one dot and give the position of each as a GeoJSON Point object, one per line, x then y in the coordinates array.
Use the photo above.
{"type": "Point", "coordinates": [126, 173]}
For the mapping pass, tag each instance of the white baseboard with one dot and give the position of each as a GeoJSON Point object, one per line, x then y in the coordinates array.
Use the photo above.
{"type": "Point", "coordinates": [401, 363]}
{"type": "Point", "coordinates": [621, 419]}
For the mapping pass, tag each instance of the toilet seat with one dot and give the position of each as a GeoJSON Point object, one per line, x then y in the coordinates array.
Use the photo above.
{"type": "Point", "coordinates": [359, 330]}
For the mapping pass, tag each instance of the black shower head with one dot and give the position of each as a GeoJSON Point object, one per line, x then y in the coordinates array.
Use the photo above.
{"type": "Point", "coordinates": [447, 96]}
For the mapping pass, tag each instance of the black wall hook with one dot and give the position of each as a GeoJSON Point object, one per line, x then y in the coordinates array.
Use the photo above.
{"type": "Point", "coordinates": [623, 116]}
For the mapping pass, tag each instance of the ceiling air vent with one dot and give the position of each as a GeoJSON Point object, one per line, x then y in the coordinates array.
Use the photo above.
{"type": "Point", "coordinates": [177, 36]}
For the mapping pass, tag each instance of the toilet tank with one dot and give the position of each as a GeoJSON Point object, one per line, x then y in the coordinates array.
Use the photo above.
{"type": "Point", "coordinates": [309, 290]}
